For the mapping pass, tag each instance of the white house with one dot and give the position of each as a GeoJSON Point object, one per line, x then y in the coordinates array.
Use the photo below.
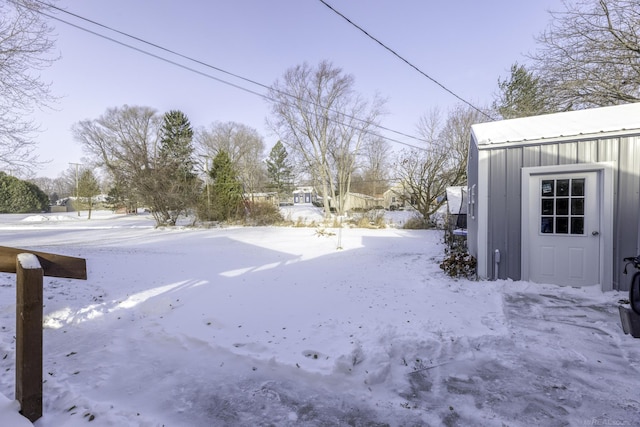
{"type": "Point", "coordinates": [354, 202]}
{"type": "Point", "coordinates": [556, 198]}
{"type": "Point", "coordinates": [396, 197]}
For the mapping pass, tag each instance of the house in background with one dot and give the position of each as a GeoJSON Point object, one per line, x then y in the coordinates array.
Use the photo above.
{"type": "Point", "coordinates": [356, 202]}
{"type": "Point", "coordinates": [397, 197]}
{"type": "Point", "coordinates": [304, 195]}
{"type": "Point", "coordinates": [556, 198]}
{"type": "Point", "coordinates": [267, 197]}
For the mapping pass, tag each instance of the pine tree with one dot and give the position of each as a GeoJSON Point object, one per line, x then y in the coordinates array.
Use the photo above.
{"type": "Point", "coordinates": [280, 172]}
{"type": "Point", "coordinates": [226, 189]}
{"type": "Point", "coordinates": [171, 185]}
{"type": "Point", "coordinates": [88, 187]}
{"type": "Point", "coordinates": [520, 96]}
{"type": "Point", "coordinates": [176, 149]}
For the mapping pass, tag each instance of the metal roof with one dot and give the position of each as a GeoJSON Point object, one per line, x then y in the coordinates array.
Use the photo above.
{"type": "Point", "coordinates": [568, 125]}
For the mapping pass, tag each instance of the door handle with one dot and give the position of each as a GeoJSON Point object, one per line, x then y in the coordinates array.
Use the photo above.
{"type": "Point", "coordinates": [595, 233]}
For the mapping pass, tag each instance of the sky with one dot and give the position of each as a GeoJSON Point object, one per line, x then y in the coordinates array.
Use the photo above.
{"type": "Point", "coordinates": [466, 46]}
{"type": "Point", "coordinates": [262, 326]}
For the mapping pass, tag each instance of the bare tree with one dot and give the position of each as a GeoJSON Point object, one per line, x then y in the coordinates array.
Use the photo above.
{"type": "Point", "coordinates": [244, 146]}
{"type": "Point", "coordinates": [149, 158]}
{"type": "Point", "coordinates": [375, 166]}
{"type": "Point", "coordinates": [590, 54]}
{"type": "Point", "coordinates": [48, 186]}
{"type": "Point", "coordinates": [324, 123]}
{"type": "Point", "coordinates": [25, 46]}
{"type": "Point", "coordinates": [425, 173]}
{"type": "Point", "coordinates": [123, 141]}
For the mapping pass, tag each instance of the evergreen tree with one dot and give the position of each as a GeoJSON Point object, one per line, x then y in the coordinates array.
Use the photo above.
{"type": "Point", "coordinates": [521, 95]}
{"type": "Point", "coordinates": [226, 203]}
{"type": "Point", "coordinates": [176, 149]}
{"type": "Point", "coordinates": [116, 199]}
{"type": "Point", "coordinates": [171, 186]}
{"type": "Point", "coordinates": [88, 188]}
{"type": "Point", "coordinates": [280, 172]}
{"type": "Point", "coordinates": [18, 196]}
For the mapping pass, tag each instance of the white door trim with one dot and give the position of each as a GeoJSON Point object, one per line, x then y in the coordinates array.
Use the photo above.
{"type": "Point", "coordinates": [605, 183]}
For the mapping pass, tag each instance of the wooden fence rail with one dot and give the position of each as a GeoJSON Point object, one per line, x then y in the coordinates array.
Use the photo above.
{"type": "Point", "coordinates": [30, 268]}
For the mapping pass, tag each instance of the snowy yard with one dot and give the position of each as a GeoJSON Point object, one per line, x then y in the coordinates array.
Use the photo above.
{"type": "Point", "coordinates": [274, 326]}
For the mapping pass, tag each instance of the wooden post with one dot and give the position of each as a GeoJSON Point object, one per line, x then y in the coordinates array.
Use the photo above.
{"type": "Point", "coordinates": [30, 267]}
{"type": "Point", "coordinates": [29, 335]}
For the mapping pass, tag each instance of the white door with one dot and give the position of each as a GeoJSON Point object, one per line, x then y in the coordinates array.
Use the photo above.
{"type": "Point", "coordinates": [564, 229]}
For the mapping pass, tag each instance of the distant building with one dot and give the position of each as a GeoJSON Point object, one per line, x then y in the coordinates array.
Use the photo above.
{"type": "Point", "coordinates": [270, 197]}
{"type": "Point", "coordinates": [396, 198]}
{"type": "Point", "coordinates": [304, 195]}
{"type": "Point", "coordinates": [356, 202]}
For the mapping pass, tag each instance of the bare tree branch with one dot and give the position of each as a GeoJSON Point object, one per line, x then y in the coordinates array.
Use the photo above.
{"type": "Point", "coordinates": [25, 46]}
{"type": "Point", "coordinates": [425, 174]}
{"type": "Point", "coordinates": [323, 123]}
{"type": "Point", "coordinates": [590, 54]}
{"type": "Point", "coordinates": [244, 146]}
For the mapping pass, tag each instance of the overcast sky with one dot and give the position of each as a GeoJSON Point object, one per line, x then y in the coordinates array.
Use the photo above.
{"type": "Point", "coordinates": [465, 45]}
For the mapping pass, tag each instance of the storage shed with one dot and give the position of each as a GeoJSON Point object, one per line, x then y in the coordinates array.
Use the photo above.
{"type": "Point", "coordinates": [555, 198]}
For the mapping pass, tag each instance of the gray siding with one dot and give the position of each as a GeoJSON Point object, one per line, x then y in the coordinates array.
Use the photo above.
{"type": "Point", "coordinates": [513, 212]}
{"type": "Point", "coordinates": [504, 192]}
{"type": "Point", "coordinates": [627, 206]}
{"type": "Point", "coordinates": [472, 215]}
{"type": "Point", "coordinates": [497, 236]}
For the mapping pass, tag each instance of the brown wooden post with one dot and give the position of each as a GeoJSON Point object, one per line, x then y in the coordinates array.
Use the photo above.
{"type": "Point", "coordinates": [30, 267]}
{"type": "Point", "coordinates": [29, 335]}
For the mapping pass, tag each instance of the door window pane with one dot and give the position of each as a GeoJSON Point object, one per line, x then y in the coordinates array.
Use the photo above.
{"type": "Point", "coordinates": [562, 225]}
{"type": "Point", "coordinates": [562, 204]}
{"type": "Point", "coordinates": [577, 187]}
{"type": "Point", "coordinates": [577, 206]}
{"type": "Point", "coordinates": [562, 187]}
{"type": "Point", "coordinates": [577, 225]}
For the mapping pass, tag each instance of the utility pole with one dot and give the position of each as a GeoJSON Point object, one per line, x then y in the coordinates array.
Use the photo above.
{"type": "Point", "coordinates": [77, 195]}
{"type": "Point", "coordinates": [207, 178]}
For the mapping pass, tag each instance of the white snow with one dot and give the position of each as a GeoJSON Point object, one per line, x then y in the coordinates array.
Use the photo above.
{"type": "Point", "coordinates": [41, 218]}
{"type": "Point", "coordinates": [277, 326]}
{"type": "Point", "coordinates": [29, 261]}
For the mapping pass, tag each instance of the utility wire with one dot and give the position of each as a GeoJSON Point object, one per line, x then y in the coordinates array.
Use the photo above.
{"type": "Point", "coordinates": [404, 60]}
{"type": "Point", "coordinates": [177, 64]}
{"type": "Point", "coordinates": [208, 66]}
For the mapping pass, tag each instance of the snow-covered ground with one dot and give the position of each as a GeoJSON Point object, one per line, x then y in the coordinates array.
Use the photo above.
{"type": "Point", "coordinates": [276, 326]}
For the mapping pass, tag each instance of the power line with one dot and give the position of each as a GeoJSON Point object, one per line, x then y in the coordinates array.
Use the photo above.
{"type": "Point", "coordinates": [404, 60]}
{"type": "Point", "coordinates": [207, 65]}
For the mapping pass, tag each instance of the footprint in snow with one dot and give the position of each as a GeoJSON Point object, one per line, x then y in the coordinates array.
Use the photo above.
{"type": "Point", "coordinates": [314, 355]}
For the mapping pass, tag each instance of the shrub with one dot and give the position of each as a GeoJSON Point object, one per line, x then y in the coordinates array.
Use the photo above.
{"type": "Point", "coordinates": [376, 218]}
{"type": "Point", "coordinates": [417, 222]}
{"type": "Point", "coordinates": [263, 213]}
{"type": "Point", "coordinates": [369, 219]}
{"type": "Point", "coordinates": [18, 196]}
{"type": "Point", "coordinates": [458, 263]}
